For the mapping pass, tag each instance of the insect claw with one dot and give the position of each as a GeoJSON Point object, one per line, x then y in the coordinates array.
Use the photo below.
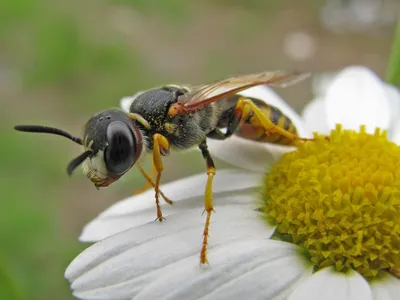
{"type": "Point", "coordinates": [204, 262]}
{"type": "Point", "coordinates": [161, 218]}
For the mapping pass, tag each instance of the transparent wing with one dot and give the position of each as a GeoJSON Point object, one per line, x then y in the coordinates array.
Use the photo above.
{"type": "Point", "coordinates": [206, 94]}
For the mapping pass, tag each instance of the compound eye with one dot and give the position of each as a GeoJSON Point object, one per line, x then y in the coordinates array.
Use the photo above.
{"type": "Point", "coordinates": [119, 155]}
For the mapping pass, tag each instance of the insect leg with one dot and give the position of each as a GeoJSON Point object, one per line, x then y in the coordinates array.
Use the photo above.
{"type": "Point", "coordinates": [151, 183]}
{"type": "Point", "coordinates": [160, 146]}
{"type": "Point", "coordinates": [217, 134]}
{"type": "Point", "coordinates": [245, 108]}
{"type": "Point", "coordinates": [208, 201]}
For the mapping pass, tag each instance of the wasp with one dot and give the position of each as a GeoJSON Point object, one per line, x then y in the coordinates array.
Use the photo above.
{"type": "Point", "coordinates": [178, 117]}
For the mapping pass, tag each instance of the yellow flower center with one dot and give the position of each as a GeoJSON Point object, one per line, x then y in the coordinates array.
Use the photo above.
{"type": "Point", "coordinates": [339, 198]}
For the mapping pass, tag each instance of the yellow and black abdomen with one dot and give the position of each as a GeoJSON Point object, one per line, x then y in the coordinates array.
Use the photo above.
{"type": "Point", "coordinates": [253, 130]}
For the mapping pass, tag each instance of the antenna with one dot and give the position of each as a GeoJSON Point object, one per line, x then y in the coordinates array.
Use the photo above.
{"type": "Point", "coordinates": [51, 130]}
{"type": "Point", "coordinates": [77, 161]}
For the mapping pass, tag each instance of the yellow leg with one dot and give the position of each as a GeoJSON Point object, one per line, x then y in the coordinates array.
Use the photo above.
{"type": "Point", "coordinates": [245, 106]}
{"type": "Point", "coordinates": [151, 183]}
{"type": "Point", "coordinates": [160, 145]}
{"type": "Point", "coordinates": [208, 200]}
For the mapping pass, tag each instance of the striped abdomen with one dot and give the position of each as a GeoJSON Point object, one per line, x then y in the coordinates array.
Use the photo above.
{"type": "Point", "coordinates": [253, 130]}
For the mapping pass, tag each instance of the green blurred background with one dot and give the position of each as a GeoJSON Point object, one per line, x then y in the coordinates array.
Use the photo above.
{"type": "Point", "coordinates": [61, 61]}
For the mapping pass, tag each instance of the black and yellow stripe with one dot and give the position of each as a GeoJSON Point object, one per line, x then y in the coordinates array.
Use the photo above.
{"type": "Point", "coordinates": [253, 130]}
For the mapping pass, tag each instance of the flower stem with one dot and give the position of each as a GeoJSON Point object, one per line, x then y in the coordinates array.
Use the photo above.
{"type": "Point", "coordinates": [393, 69]}
{"type": "Point", "coordinates": [8, 284]}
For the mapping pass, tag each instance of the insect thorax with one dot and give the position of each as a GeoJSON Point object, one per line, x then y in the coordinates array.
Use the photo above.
{"type": "Point", "coordinates": [182, 131]}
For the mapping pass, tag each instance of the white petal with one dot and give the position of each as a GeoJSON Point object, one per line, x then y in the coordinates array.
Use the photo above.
{"type": "Point", "coordinates": [103, 227]}
{"type": "Point", "coordinates": [251, 155]}
{"type": "Point", "coordinates": [387, 288]}
{"type": "Point", "coordinates": [328, 284]}
{"type": "Point", "coordinates": [393, 96]}
{"type": "Point", "coordinates": [126, 102]}
{"type": "Point", "coordinates": [120, 266]}
{"type": "Point", "coordinates": [315, 117]}
{"type": "Point", "coordinates": [186, 193]}
{"type": "Point", "coordinates": [395, 132]}
{"type": "Point", "coordinates": [247, 154]}
{"type": "Point", "coordinates": [252, 269]}
{"type": "Point", "coordinates": [321, 82]}
{"type": "Point", "coordinates": [357, 96]}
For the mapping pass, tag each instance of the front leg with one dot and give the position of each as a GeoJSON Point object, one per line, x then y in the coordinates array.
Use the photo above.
{"type": "Point", "coordinates": [208, 201]}
{"type": "Point", "coordinates": [160, 147]}
{"type": "Point", "coordinates": [151, 183]}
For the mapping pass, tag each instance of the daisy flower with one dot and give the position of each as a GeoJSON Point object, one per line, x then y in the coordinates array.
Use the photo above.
{"type": "Point", "coordinates": [319, 221]}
